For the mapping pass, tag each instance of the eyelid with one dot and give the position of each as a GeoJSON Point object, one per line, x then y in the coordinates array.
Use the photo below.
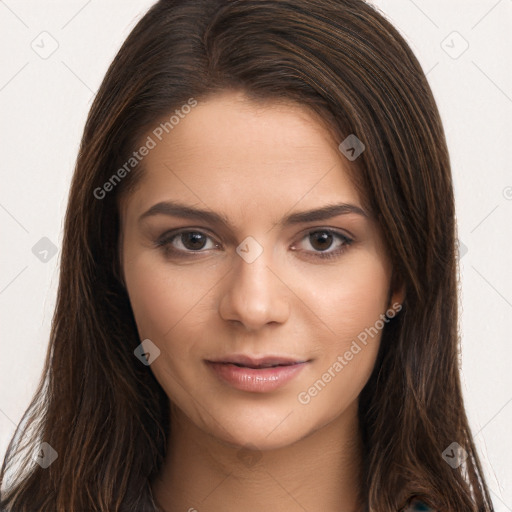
{"type": "Point", "coordinates": [335, 232]}
{"type": "Point", "coordinates": [174, 232]}
{"type": "Point", "coordinates": [168, 237]}
{"type": "Point", "coordinates": [165, 241]}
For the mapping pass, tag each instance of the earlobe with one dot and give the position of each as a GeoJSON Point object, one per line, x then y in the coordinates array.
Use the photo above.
{"type": "Point", "coordinates": [397, 290]}
{"type": "Point", "coordinates": [398, 296]}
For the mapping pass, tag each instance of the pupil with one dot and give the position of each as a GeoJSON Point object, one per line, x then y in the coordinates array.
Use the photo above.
{"type": "Point", "coordinates": [321, 240]}
{"type": "Point", "coordinates": [193, 240]}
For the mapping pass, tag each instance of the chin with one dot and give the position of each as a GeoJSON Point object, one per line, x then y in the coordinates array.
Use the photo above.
{"type": "Point", "coordinates": [253, 440]}
{"type": "Point", "coordinates": [260, 430]}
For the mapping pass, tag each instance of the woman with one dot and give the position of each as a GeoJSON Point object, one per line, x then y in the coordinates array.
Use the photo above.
{"type": "Point", "coordinates": [258, 297]}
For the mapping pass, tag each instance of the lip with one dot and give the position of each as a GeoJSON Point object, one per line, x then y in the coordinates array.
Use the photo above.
{"type": "Point", "coordinates": [247, 374]}
{"type": "Point", "coordinates": [256, 361]}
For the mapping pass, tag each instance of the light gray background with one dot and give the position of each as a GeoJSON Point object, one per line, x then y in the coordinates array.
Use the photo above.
{"type": "Point", "coordinates": [44, 101]}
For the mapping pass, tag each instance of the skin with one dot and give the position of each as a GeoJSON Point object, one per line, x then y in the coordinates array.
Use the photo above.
{"type": "Point", "coordinates": [255, 164]}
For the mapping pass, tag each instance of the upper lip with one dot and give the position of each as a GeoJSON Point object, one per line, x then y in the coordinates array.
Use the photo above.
{"type": "Point", "coordinates": [256, 362]}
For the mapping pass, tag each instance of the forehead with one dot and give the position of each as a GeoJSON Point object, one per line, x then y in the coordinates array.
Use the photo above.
{"type": "Point", "coordinates": [231, 152]}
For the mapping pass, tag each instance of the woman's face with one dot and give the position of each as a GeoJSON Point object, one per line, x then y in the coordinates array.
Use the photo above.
{"type": "Point", "coordinates": [240, 262]}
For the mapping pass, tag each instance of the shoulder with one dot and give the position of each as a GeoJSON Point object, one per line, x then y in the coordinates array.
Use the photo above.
{"type": "Point", "coordinates": [416, 505]}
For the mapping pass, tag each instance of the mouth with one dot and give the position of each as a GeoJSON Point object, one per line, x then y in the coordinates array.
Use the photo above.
{"type": "Point", "coordinates": [258, 375]}
{"type": "Point", "coordinates": [244, 361]}
{"type": "Point", "coordinates": [262, 366]}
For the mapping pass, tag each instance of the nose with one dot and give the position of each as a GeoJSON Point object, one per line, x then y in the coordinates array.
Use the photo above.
{"type": "Point", "coordinates": [253, 295]}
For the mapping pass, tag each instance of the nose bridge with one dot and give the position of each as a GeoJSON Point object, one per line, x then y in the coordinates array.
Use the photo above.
{"type": "Point", "coordinates": [254, 296]}
{"type": "Point", "coordinates": [254, 277]}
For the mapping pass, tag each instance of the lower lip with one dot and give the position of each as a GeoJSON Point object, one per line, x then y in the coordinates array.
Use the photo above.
{"type": "Point", "coordinates": [257, 381]}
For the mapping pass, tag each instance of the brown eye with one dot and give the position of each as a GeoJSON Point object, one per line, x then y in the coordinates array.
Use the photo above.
{"type": "Point", "coordinates": [193, 240]}
{"type": "Point", "coordinates": [323, 243]}
{"type": "Point", "coordinates": [185, 243]}
{"type": "Point", "coordinates": [321, 240]}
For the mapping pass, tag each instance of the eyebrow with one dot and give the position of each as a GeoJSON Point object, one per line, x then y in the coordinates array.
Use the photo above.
{"type": "Point", "coordinates": [176, 209]}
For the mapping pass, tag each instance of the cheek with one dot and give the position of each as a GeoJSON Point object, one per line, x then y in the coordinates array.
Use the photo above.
{"type": "Point", "coordinates": [349, 300]}
{"type": "Point", "coordinates": [350, 297]}
{"type": "Point", "coordinates": [171, 308]}
{"type": "Point", "coordinates": [161, 299]}
{"type": "Point", "coordinates": [167, 308]}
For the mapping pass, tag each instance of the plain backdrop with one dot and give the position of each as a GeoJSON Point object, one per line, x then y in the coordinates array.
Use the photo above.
{"type": "Point", "coordinates": [55, 54]}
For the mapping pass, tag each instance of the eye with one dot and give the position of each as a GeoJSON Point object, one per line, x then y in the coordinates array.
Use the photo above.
{"type": "Point", "coordinates": [325, 243]}
{"type": "Point", "coordinates": [186, 242]}
{"type": "Point", "coordinates": [320, 243]}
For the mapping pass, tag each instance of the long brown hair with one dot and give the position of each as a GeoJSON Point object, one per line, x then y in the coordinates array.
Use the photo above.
{"type": "Point", "coordinates": [99, 408]}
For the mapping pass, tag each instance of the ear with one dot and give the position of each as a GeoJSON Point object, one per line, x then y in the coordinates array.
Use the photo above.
{"type": "Point", "coordinates": [398, 296]}
{"type": "Point", "coordinates": [397, 290]}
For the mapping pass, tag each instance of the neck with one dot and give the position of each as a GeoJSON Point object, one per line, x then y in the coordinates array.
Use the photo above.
{"type": "Point", "coordinates": [321, 471]}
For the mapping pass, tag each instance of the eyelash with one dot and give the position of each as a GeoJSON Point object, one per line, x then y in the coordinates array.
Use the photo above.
{"type": "Point", "coordinates": [166, 240]}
